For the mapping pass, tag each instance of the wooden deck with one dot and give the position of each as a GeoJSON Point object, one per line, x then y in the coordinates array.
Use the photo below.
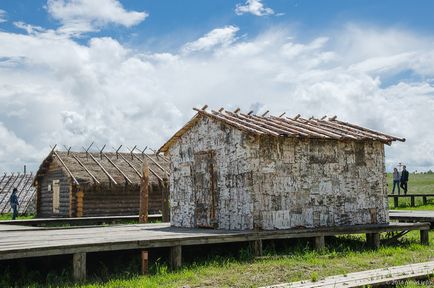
{"type": "Point", "coordinates": [15, 244]}
{"type": "Point", "coordinates": [366, 278]}
{"type": "Point", "coordinates": [77, 220]}
{"type": "Point", "coordinates": [412, 216]}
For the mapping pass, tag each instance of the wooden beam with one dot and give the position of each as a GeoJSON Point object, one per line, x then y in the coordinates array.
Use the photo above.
{"type": "Point", "coordinates": [256, 247]}
{"type": "Point", "coordinates": [103, 169]}
{"type": "Point", "coordinates": [144, 260]}
{"type": "Point", "coordinates": [79, 266]}
{"type": "Point", "coordinates": [144, 194]}
{"type": "Point", "coordinates": [150, 169]}
{"type": "Point", "coordinates": [131, 165]}
{"type": "Point", "coordinates": [175, 257]}
{"type": "Point", "coordinates": [66, 167]}
{"type": "Point", "coordinates": [165, 209]}
{"type": "Point", "coordinates": [156, 163]}
{"type": "Point", "coordinates": [319, 243]}
{"type": "Point", "coordinates": [85, 168]}
{"type": "Point", "coordinates": [117, 168]}
{"type": "Point", "coordinates": [424, 237]}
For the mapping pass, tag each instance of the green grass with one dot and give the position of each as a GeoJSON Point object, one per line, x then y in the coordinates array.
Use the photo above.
{"type": "Point", "coordinates": [8, 216]}
{"type": "Point", "coordinates": [417, 184]}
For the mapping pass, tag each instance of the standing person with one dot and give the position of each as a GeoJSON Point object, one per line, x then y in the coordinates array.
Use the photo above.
{"type": "Point", "coordinates": [14, 203]}
{"type": "Point", "coordinates": [396, 180]}
{"type": "Point", "coordinates": [404, 179]}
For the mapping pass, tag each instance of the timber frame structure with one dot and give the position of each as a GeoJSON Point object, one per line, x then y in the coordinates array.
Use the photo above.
{"type": "Point", "coordinates": [26, 192]}
{"type": "Point", "coordinates": [80, 184]}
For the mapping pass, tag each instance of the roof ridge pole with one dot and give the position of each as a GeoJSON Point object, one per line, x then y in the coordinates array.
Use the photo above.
{"type": "Point", "coordinates": [103, 169]}
{"type": "Point", "coordinates": [85, 168]}
{"type": "Point", "coordinates": [117, 168]}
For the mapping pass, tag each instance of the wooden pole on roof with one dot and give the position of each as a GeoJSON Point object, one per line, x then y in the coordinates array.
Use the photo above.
{"type": "Point", "coordinates": [144, 193]}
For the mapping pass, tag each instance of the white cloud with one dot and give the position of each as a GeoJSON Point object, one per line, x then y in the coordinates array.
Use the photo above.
{"type": "Point", "coordinates": [78, 16]}
{"type": "Point", "coordinates": [104, 92]}
{"type": "Point", "coordinates": [217, 37]}
{"type": "Point", "coordinates": [2, 16]}
{"type": "Point", "coordinates": [254, 7]}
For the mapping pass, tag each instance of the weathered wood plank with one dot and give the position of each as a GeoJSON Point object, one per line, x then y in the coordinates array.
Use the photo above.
{"type": "Point", "coordinates": [367, 278]}
{"type": "Point", "coordinates": [79, 266]}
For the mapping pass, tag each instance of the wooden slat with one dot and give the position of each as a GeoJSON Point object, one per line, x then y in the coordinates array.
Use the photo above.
{"type": "Point", "coordinates": [366, 278]}
{"type": "Point", "coordinates": [103, 169]}
{"type": "Point", "coordinates": [66, 167]}
{"type": "Point", "coordinates": [117, 168]}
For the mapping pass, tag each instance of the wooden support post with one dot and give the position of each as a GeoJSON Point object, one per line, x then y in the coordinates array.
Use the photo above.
{"type": "Point", "coordinates": [144, 256]}
{"type": "Point", "coordinates": [79, 266]}
{"type": "Point", "coordinates": [175, 257]}
{"type": "Point", "coordinates": [395, 201]}
{"type": "Point", "coordinates": [424, 237]}
{"type": "Point", "coordinates": [256, 247]}
{"type": "Point", "coordinates": [373, 240]}
{"type": "Point", "coordinates": [165, 208]}
{"type": "Point", "coordinates": [412, 201]}
{"type": "Point", "coordinates": [424, 200]}
{"type": "Point", "coordinates": [143, 213]}
{"type": "Point", "coordinates": [319, 243]}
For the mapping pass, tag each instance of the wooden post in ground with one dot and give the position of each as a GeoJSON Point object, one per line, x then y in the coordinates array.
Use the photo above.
{"type": "Point", "coordinates": [319, 243]}
{"type": "Point", "coordinates": [144, 194]}
{"type": "Point", "coordinates": [165, 210]}
{"type": "Point", "coordinates": [373, 240]}
{"type": "Point", "coordinates": [424, 237]}
{"type": "Point", "coordinates": [175, 257]}
{"type": "Point", "coordinates": [79, 266]}
{"type": "Point", "coordinates": [412, 201]}
{"type": "Point", "coordinates": [256, 247]}
{"type": "Point", "coordinates": [424, 200]}
{"type": "Point", "coordinates": [144, 261]}
{"type": "Point", "coordinates": [395, 201]}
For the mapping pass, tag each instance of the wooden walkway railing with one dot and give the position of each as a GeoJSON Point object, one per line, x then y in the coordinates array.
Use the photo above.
{"type": "Point", "coordinates": [412, 198]}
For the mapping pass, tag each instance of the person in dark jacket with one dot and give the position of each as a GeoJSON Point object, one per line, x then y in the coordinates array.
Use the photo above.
{"type": "Point", "coordinates": [404, 179]}
{"type": "Point", "coordinates": [14, 203]}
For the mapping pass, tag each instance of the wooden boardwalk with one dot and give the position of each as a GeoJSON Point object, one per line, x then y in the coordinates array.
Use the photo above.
{"type": "Point", "coordinates": [375, 277]}
{"type": "Point", "coordinates": [77, 220]}
{"type": "Point", "coordinates": [412, 215]}
{"type": "Point", "coordinates": [79, 241]}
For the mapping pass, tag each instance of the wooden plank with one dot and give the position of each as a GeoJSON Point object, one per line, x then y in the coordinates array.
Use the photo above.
{"type": "Point", "coordinates": [85, 168]}
{"type": "Point", "coordinates": [376, 277]}
{"type": "Point", "coordinates": [117, 168]}
{"type": "Point", "coordinates": [256, 247]}
{"type": "Point", "coordinates": [66, 167]}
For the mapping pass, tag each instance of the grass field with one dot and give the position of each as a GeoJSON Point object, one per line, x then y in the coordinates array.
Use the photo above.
{"type": "Point", "coordinates": [417, 184]}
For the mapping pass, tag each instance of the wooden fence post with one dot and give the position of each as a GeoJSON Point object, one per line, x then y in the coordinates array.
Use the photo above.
{"type": "Point", "coordinates": [143, 213]}
{"type": "Point", "coordinates": [175, 257]}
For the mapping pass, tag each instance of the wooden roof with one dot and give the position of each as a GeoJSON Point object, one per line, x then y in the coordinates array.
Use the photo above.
{"type": "Point", "coordinates": [115, 168]}
{"type": "Point", "coordinates": [282, 126]}
{"type": "Point", "coordinates": [26, 191]}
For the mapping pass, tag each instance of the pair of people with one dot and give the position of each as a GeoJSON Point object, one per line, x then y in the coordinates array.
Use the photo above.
{"type": "Point", "coordinates": [400, 180]}
{"type": "Point", "coordinates": [13, 200]}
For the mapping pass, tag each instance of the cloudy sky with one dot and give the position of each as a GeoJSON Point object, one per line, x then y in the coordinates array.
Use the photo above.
{"type": "Point", "coordinates": [129, 72]}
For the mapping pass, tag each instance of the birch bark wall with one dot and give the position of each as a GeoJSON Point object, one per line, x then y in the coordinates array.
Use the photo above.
{"type": "Point", "coordinates": [237, 181]}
